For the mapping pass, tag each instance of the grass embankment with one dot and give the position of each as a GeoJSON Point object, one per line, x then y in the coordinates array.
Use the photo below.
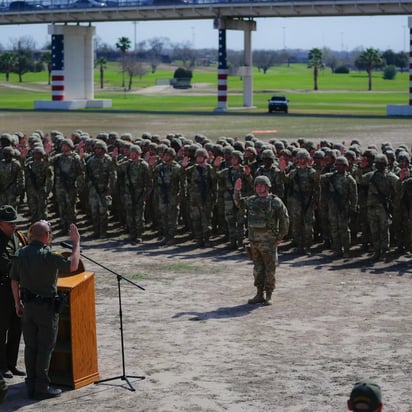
{"type": "Point", "coordinates": [337, 94]}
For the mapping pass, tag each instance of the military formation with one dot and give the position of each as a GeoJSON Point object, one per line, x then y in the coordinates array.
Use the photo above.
{"type": "Point", "coordinates": [337, 196]}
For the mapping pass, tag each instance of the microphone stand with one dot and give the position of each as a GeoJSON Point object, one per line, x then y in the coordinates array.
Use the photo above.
{"type": "Point", "coordinates": [123, 376]}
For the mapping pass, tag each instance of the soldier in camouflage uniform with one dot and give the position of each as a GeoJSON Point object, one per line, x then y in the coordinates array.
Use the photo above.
{"type": "Point", "coordinates": [272, 172]}
{"type": "Point", "coordinates": [101, 178]}
{"type": "Point", "coordinates": [39, 183]}
{"type": "Point", "coordinates": [302, 186]}
{"type": "Point", "coordinates": [201, 190]}
{"type": "Point", "coordinates": [343, 197]}
{"type": "Point", "coordinates": [365, 167]}
{"type": "Point", "coordinates": [268, 223]}
{"type": "Point", "coordinates": [382, 186]}
{"type": "Point", "coordinates": [168, 183]}
{"type": "Point", "coordinates": [11, 178]}
{"type": "Point", "coordinates": [68, 182]}
{"type": "Point", "coordinates": [137, 181]}
{"type": "Point", "coordinates": [403, 210]}
{"type": "Point", "coordinates": [235, 217]}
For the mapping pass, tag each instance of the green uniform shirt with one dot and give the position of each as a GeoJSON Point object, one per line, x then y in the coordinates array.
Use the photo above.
{"type": "Point", "coordinates": [36, 268]}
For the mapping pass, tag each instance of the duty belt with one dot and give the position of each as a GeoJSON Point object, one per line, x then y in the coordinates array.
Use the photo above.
{"type": "Point", "coordinates": [27, 296]}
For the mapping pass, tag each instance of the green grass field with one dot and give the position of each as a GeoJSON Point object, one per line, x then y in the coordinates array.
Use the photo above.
{"type": "Point", "coordinates": [337, 94]}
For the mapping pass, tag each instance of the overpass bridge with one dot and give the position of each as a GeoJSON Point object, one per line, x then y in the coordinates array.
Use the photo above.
{"type": "Point", "coordinates": [72, 45]}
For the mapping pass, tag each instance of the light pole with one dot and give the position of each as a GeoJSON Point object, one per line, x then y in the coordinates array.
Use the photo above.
{"type": "Point", "coordinates": [284, 37]}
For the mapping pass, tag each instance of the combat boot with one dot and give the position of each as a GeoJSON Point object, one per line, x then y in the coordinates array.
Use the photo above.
{"type": "Point", "coordinates": [258, 298]}
{"type": "Point", "coordinates": [268, 300]}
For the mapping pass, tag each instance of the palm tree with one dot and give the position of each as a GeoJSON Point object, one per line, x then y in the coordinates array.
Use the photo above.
{"type": "Point", "coordinates": [123, 44]}
{"type": "Point", "coordinates": [101, 63]}
{"type": "Point", "coordinates": [315, 61]}
{"type": "Point", "coordinates": [371, 58]}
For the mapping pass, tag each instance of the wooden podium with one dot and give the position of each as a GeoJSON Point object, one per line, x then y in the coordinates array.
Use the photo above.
{"type": "Point", "coordinates": [74, 360]}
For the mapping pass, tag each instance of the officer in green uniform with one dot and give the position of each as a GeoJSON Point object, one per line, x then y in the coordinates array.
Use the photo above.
{"type": "Point", "coordinates": [34, 284]}
{"type": "Point", "coordinates": [268, 223]}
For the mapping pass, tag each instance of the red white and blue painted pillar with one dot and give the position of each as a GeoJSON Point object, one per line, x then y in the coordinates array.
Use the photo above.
{"type": "Point", "coordinates": [404, 110]}
{"type": "Point", "coordinates": [410, 61]}
{"type": "Point", "coordinates": [222, 73]}
{"type": "Point", "coordinates": [57, 62]}
{"type": "Point", "coordinates": [72, 69]}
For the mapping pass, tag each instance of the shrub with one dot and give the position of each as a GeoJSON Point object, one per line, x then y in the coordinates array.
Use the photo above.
{"type": "Point", "coordinates": [389, 72]}
{"type": "Point", "coordinates": [342, 70]}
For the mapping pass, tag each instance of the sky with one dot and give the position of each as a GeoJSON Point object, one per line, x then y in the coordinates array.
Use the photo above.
{"type": "Point", "coordinates": [336, 33]}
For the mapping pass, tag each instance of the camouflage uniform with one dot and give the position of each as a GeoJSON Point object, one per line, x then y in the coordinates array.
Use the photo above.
{"type": "Point", "coordinates": [11, 178]}
{"type": "Point", "coordinates": [68, 181]}
{"type": "Point", "coordinates": [302, 187]}
{"type": "Point", "coordinates": [270, 170]}
{"type": "Point", "coordinates": [235, 217]}
{"type": "Point", "coordinates": [343, 197]}
{"type": "Point", "coordinates": [168, 184]}
{"type": "Point", "coordinates": [101, 178]}
{"type": "Point", "coordinates": [39, 183]}
{"type": "Point", "coordinates": [201, 190]}
{"type": "Point", "coordinates": [268, 222]}
{"type": "Point", "coordinates": [381, 186]}
{"type": "Point", "coordinates": [137, 182]}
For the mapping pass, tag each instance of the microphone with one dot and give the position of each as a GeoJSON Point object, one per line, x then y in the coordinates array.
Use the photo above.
{"type": "Point", "coordinates": [67, 245]}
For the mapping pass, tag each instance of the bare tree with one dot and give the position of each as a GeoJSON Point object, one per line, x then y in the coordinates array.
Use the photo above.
{"type": "Point", "coordinates": [265, 59]}
{"type": "Point", "coordinates": [156, 50]}
{"type": "Point", "coordinates": [134, 68]}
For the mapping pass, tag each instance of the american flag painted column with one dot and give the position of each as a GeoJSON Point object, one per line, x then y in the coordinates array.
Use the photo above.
{"type": "Point", "coordinates": [57, 81]}
{"type": "Point", "coordinates": [410, 65]}
{"type": "Point", "coordinates": [222, 72]}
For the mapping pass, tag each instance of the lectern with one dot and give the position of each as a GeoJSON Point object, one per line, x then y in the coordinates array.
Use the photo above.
{"type": "Point", "coordinates": [74, 360]}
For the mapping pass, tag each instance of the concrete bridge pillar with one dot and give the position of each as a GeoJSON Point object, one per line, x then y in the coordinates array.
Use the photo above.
{"type": "Point", "coordinates": [72, 69]}
{"type": "Point", "coordinates": [399, 110]}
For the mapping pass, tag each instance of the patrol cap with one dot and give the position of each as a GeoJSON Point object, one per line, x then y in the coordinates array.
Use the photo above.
{"type": "Point", "coordinates": [262, 179]}
{"type": "Point", "coordinates": [9, 214]}
{"type": "Point", "coordinates": [366, 396]}
{"type": "Point", "coordinates": [341, 160]}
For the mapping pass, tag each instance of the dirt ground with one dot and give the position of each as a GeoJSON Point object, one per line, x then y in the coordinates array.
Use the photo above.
{"type": "Point", "coordinates": [201, 348]}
